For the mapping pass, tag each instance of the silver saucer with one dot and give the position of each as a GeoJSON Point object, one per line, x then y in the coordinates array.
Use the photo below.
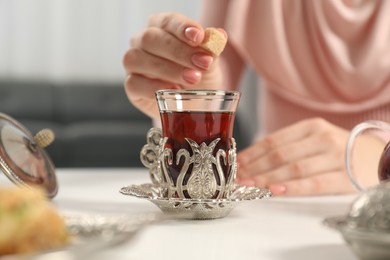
{"type": "Point", "coordinates": [92, 233]}
{"type": "Point", "coordinates": [195, 208]}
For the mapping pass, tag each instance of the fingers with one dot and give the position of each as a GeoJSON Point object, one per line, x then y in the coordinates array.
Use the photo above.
{"type": "Point", "coordinates": [183, 28]}
{"type": "Point", "coordinates": [280, 138]}
{"type": "Point", "coordinates": [305, 154]}
{"type": "Point", "coordinates": [167, 55]}
{"type": "Point", "coordinates": [335, 182]}
{"type": "Point", "coordinates": [137, 61]}
{"type": "Point", "coordinates": [159, 43]}
{"type": "Point", "coordinates": [281, 156]}
{"type": "Point", "coordinates": [138, 87]}
{"type": "Point", "coordinates": [301, 169]}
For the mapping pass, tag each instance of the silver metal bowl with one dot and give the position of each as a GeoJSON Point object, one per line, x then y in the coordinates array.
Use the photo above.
{"type": "Point", "coordinates": [366, 227]}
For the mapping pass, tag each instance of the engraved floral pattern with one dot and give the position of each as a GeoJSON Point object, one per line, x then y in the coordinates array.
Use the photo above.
{"type": "Point", "coordinates": [202, 177]}
{"type": "Point", "coordinates": [202, 183]}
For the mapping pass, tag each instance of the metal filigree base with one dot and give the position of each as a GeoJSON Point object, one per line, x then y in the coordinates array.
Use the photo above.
{"type": "Point", "coordinates": [195, 208]}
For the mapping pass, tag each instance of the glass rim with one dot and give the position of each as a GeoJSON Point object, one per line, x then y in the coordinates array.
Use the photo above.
{"type": "Point", "coordinates": [196, 93]}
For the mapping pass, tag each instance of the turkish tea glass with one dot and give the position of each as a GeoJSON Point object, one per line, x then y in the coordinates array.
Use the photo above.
{"type": "Point", "coordinates": [198, 152]}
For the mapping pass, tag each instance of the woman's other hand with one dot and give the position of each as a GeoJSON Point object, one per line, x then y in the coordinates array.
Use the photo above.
{"type": "Point", "coordinates": [307, 158]}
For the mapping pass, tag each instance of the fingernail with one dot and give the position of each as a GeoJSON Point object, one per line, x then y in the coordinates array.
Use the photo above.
{"type": "Point", "coordinates": [278, 189]}
{"type": "Point", "coordinates": [202, 61]}
{"type": "Point", "coordinates": [191, 76]}
{"type": "Point", "coordinates": [192, 34]}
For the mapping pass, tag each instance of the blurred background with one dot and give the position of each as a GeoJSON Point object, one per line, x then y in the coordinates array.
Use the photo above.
{"type": "Point", "coordinates": [61, 68]}
{"type": "Point", "coordinates": [74, 40]}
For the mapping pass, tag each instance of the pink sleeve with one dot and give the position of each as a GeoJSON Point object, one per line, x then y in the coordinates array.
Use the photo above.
{"type": "Point", "coordinates": [214, 15]}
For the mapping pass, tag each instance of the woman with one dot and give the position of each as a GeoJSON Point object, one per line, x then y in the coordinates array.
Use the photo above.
{"type": "Point", "coordinates": [325, 66]}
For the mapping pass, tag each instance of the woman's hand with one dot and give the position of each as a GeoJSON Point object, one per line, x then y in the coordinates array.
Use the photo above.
{"type": "Point", "coordinates": [167, 56]}
{"type": "Point", "coordinates": [307, 158]}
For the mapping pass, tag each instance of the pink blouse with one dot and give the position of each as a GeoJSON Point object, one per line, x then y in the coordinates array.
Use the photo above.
{"type": "Point", "coordinates": [316, 58]}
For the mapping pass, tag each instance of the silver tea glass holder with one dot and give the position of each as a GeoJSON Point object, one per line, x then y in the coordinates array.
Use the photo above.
{"type": "Point", "coordinates": [201, 190]}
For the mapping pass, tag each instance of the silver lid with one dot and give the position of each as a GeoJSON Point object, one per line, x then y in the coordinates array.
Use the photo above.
{"type": "Point", "coordinates": [22, 157]}
{"type": "Point", "coordinates": [371, 210]}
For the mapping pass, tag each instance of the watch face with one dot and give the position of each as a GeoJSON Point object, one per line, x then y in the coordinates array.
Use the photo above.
{"type": "Point", "coordinates": [22, 160]}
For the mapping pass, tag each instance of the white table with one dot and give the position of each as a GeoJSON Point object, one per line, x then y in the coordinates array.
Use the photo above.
{"type": "Point", "coordinates": [271, 229]}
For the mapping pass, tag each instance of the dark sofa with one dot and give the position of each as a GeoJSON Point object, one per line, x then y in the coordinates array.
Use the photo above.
{"type": "Point", "coordinates": [95, 124]}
